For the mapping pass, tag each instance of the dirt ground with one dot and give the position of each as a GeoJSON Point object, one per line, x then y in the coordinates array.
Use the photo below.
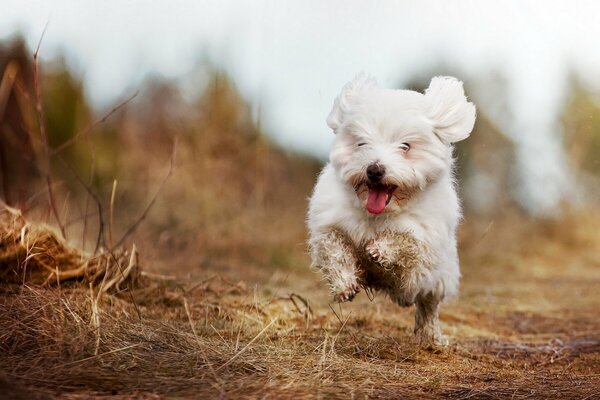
{"type": "Point", "coordinates": [525, 326]}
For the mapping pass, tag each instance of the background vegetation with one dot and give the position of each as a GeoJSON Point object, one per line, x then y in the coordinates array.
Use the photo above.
{"type": "Point", "coordinates": [227, 305]}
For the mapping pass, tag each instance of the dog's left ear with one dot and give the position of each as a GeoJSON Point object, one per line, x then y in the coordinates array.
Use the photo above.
{"type": "Point", "coordinates": [343, 102]}
{"type": "Point", "coordinates": [451, 115]}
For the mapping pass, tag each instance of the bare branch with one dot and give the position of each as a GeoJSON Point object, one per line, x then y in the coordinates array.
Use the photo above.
{"type": "Point", "coordinates": [92, 126]}
{"type": "Point", "coordinates": [111, 210]}
{"type": "Point", "coordinates": [44, 136]}
{"type": "Point", "coordinates": [100, 238]}
{"type": "Point", "coordinates": [133, 227]}
{"type": "Point", "coordinates": [37, 48]}
{"type": "Point", "coordinates": [116, 261]}
{"type": "Point", "coordinates": [87, 199]}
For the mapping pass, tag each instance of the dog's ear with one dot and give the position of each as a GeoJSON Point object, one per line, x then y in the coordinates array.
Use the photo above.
{"type": "Point", "coordinates": [451, 115]}
{"type": "Point", "coordinates": [344, 100]}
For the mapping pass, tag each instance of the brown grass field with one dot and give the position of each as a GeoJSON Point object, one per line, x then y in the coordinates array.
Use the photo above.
{"type": "Point", "coordinates": [525, 326]}
{"type": "Point", "coordinates": [217, 300]}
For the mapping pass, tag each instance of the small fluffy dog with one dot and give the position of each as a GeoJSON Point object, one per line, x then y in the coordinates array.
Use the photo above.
{"type": "Point", "coordinates": [384, 211]}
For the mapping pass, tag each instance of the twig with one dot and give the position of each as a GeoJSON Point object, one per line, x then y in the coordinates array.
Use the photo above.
{"type": "Point", "coordinates": [43, 133]}
{"type": "Point", "coordinates": [100, 238]}
{"type": "Point", "coordinates": [87, 198]}
{"type": "Point", "coordinates": [336, 314]}
{"type": "Point", "coordinates": [37, 49]}
{"type": "Point", "coordinates": [307, 311]}
{"type": "Point", "coordinates": [334, 340]}
{"type": "Point", "coordinates": [110, 214]}
{"type": "Point", "coordinates": [137, 309]}
{"type": "Point", "coordinates": [30, 202]}
{"type": "Point", "coordinates": [133, 227]}
{"type": "Point", "coordinates": [91, 127]}
{"type": "Point", "coordinates": [248, 345]}
{"type": "Point", "coordinates": [55, 152]}
{"type": "Point", "coordinates": [116, 281]}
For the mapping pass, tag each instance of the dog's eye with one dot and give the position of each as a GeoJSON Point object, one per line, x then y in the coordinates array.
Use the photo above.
{"type": "Point", "coordinates": [360, 144]}
{"type": "Point", "coordinates": [404, 147]}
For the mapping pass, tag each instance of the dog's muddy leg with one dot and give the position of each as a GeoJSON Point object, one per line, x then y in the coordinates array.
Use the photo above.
{"type": "Point", "coordinates": [427, 325]}
{"type": "Point", "coordinates": [333, 252]}
{"type": "Point", "coordinates": [402, 260]}
{"type": "Point", "coordinates": [394, 248]}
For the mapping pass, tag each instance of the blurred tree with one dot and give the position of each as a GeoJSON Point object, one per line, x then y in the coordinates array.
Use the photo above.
{"type": "Point", "coordinates": [65, 106]}
{"type": "Point", "coordinates": [65, 112]}
{"type": "Point", "coordinates": [18, 165]}
{"type": "Point", "coordinates": [582, 139]}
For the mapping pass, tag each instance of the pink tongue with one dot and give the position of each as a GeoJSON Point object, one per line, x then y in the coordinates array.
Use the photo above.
{"type": "Point", "coordinates": [377, 199]}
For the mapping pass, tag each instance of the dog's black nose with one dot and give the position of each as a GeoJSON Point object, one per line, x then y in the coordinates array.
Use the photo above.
{"type": "Point", "coordinates": [375, 172]}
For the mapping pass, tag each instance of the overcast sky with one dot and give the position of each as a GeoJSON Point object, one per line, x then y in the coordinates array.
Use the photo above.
{"type": "Point", "coordinates": [293, 57]}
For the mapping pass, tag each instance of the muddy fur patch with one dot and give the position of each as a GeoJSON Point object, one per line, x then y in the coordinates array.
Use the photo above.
{"type": "Point", "coordinates": [394, 263]}
{"type": "Point", "coordinates": [335, 254]}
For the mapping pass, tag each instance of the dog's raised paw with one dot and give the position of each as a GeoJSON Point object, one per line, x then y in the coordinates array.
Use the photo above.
{"type": "Point", "coordinates": [375, 253]}
{"type": "Point", "coordinates": [346, 294]}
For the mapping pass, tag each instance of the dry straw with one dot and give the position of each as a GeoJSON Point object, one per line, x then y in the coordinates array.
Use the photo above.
{"type": "Point", "coordinates": [216, 339]}
{"type": "Point", "coordinates": [36, 254]}
{"type": "Point", "coordinates": [64, 331]}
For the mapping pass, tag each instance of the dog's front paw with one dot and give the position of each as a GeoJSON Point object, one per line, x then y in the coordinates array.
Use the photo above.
{"type": "Point", "coordinates": [376, 253]}
{"type": "Point", "coordinates": [346, 293]}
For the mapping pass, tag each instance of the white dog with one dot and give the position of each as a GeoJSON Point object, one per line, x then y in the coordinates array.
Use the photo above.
{"type": "Point", "coordinates": [384, 211]}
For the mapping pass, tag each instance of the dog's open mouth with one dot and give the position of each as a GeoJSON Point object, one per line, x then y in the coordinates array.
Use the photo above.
{"type": "Point", "coordinates": [379, 197]}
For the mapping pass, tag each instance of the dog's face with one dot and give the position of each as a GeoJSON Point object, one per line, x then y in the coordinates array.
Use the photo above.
{"type": "Point", "coordinates": [392, 143]}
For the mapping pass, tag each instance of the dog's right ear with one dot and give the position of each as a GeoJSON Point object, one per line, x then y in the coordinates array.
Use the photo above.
{"type": "Point", "coordinates": [344, 100]}
{"type": "Point", "coordinates": [451, 114]}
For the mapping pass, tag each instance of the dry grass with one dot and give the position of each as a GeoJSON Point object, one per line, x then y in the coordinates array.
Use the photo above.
{"type": "Point", "coordinates": [227, 306]}
{"type": "Point", "coordinates": [525, 327]}
{"type": "Point", "coordinates": [35, 254]}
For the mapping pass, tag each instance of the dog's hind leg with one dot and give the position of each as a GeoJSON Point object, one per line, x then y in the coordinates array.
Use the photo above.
{"type": "Point", "coordinates": [427, 324]}
{"type": "Point", "coordinates": [334, 253]}
{"type": "Point", "coordinates": [407, 265]}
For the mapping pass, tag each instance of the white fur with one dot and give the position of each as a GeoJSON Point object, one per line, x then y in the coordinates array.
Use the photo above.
{"type": "Point", "coordinates": [381, 120]}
